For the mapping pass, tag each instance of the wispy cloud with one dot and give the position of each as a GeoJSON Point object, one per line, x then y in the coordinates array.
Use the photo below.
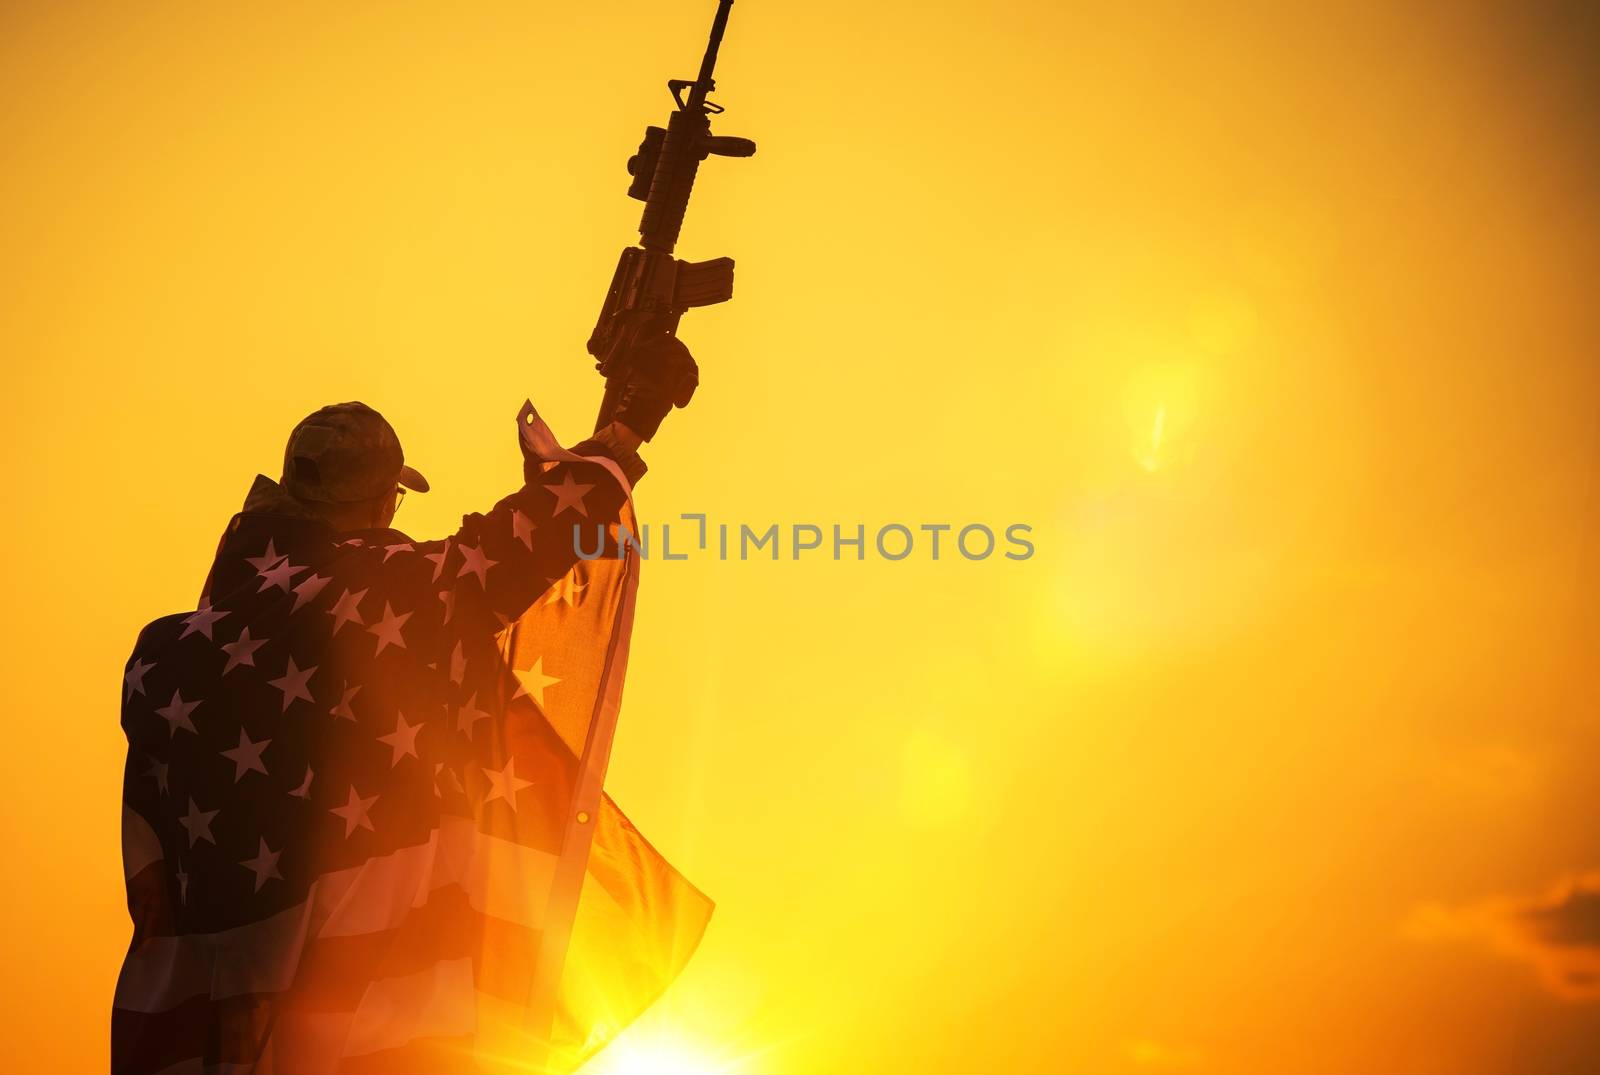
{"type": "Point", "coordinates": [1558, 933]}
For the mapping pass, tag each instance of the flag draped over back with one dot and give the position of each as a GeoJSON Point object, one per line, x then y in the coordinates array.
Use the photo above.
{"type": "Point", "coordinates": [364, 828]}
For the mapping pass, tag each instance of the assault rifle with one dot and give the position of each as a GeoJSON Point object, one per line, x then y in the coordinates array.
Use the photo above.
{"type": "Point", "coordinates": [651, 289]}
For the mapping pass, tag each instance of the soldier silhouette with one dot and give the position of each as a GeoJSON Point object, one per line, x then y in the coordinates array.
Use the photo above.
{"type": "Point", "coordinates": [350, 819]}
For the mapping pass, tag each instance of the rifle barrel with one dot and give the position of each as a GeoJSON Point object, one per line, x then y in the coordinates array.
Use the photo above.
{"type": "Point", "coordinates": [708, 63]}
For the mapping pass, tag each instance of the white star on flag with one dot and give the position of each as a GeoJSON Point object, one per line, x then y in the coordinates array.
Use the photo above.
{"type": "Point", "coordinates": [458, 664]}
{"type": "Point", "coordinates": [569, 494]}
{"type": "Point", "coordinates": [200, 622]}
{"type": "Point", "coordinates": [447, 598]}
{"type": "Point", "coordinates": [343, 708]}
{"type": "Point", "coordinates": [522, 528]}
{"type": "Point", "coordinates": [133, 678]}
{"type": "Point", "coordinates": [390, 550]}
{"type": "Point", "coordinates": [448, 777]}
{"type": "Point", "coordinates": [246, 757]}
{"type": "Point", "coordinates": [533, 681]}
{"type": "Point", "coordinates": [241, 652]}
{"type": "Point", "coordinates": [266, 559]}
{"type": "Point", "coordinates": [474, 562]}
{"type": "Point", "coordinates": [304, 790]}
{"type": "Point", "coordinates": [347, 610]}
{"type": "Point", "coordinates": [176, 713]}
{"type": "Point", "coordinates": [197, 823]}
{"type": "Point", "coordinates": [566, 590]}
{"type": "Point", "coordinates": [354, 812]}
{"type": "Point", "coordinates": [279, 577]}
{"type": "Point", "coordinates": [388, 629]}
{"type": "Point", "coordinates": [403, 740]}
{"type": "Point", "coordinates": [294, 683]}
{"type": "Point", "coordinates": [308, 589]}
{"type": "Point", "coordinates": [158, 769]}
{"type": "Point", "coordinates": [504, 783]}
{"type": "Point", "coordinates": [469, 715]}
{"type": "Point", "coordinates": [264, 865]}
{"type": "Point", "coordinates": [438, 559]}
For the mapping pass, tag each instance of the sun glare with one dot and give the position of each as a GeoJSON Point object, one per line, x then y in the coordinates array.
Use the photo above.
{"type": "Point", "coordinates": [656, 1058]}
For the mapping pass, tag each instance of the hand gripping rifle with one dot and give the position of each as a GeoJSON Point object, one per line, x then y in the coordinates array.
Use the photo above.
{"type": "Point", "coordinates": [651, 289]}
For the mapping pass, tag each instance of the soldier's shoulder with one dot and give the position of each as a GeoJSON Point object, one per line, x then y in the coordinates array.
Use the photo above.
{"type": "Point", "coordinates": [159, 632]}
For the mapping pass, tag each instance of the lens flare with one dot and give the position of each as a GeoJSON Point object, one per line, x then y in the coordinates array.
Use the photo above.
{"type": "Point", "coordinates": [1160, 406]}
{"type": "Point", "coordinates": [1151, 457]}
{"type": "Point", "coordinates": [663, 1054]}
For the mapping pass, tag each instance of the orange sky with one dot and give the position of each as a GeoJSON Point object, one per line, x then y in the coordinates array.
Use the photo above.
{"type": "Point", "coordinates": [1277, 326]}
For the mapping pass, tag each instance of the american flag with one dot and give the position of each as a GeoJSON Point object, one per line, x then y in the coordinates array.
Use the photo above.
{"type": "Point", "coordinates": [363, 825]}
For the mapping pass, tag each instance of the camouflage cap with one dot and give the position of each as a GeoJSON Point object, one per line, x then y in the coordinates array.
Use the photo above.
{"type": "Point", "coordinates": [343, 453]}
